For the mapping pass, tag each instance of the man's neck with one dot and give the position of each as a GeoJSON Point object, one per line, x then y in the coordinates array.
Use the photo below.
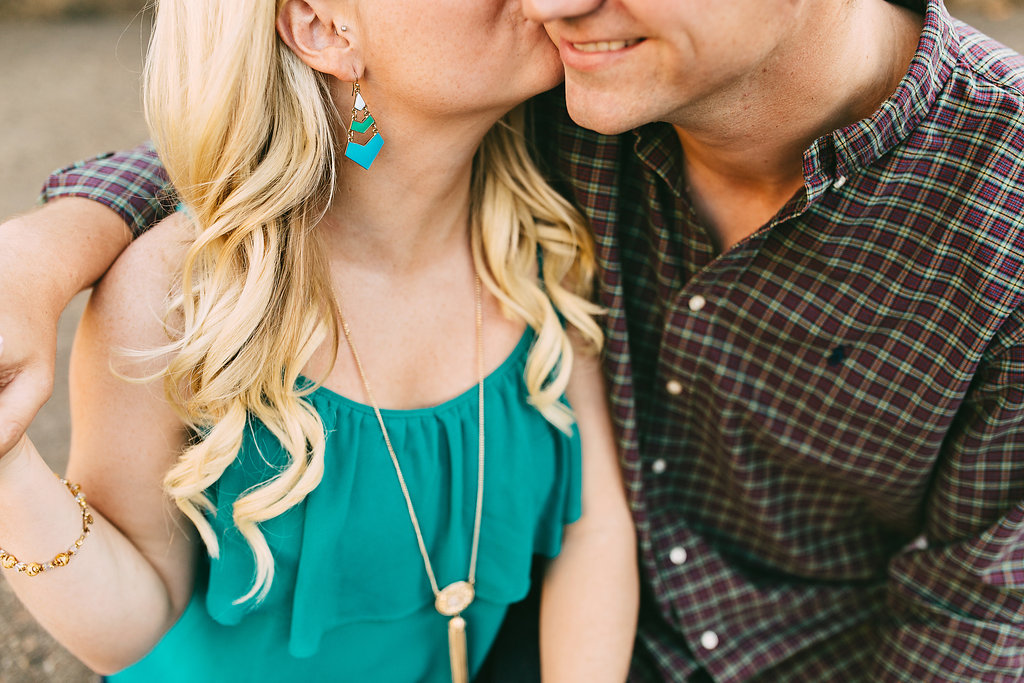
{"type": "Point", "coordinates": [744, 148]}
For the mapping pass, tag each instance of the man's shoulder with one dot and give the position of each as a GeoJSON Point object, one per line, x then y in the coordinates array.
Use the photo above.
{"type": "Point", "coordinates": [983, 101]}
{"type": "Point", "coordinates": [990, 61]}
{"type": "Point", "coordinates": [964, 163]}
{"type": "Point", "coordinates": [975, 127]}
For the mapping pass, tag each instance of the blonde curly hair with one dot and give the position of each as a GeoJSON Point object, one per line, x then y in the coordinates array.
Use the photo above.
{"type": "Point", "coordinates": [249, 136]}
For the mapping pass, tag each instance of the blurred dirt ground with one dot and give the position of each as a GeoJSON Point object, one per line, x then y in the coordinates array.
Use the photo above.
{"type": "Point", "coordinates": [70, 90]}
{"type": "Point", "coordinates": [67, 90]}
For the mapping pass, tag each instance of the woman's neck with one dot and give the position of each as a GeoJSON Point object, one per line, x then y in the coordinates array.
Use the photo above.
{"type": "Point", "coordinates": [412, 205]}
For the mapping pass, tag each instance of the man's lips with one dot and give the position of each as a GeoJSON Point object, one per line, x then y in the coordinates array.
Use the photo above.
{"type": "Point", "coordinates": [604, 45]}
{"type": "Point", "coordinates": [592, 55]}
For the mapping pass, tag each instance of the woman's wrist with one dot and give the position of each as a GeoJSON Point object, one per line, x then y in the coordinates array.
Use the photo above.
{"type": "Point", "coordinates": [16, 460]}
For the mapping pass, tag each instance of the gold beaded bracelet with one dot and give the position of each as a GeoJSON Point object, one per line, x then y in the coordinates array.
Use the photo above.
{"type": "Point", "coordinates": [9, 561]}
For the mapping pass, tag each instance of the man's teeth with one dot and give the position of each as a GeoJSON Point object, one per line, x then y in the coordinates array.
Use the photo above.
{"type": "Point", "coordinates": [605, 45]}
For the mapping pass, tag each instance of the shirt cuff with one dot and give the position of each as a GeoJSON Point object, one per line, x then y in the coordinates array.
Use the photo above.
{"type": "Point", "coordinates": [133, 184]}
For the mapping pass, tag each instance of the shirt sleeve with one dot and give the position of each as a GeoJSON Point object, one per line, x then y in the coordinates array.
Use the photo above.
{"type": "Point", "coordinates": [132, 183]}
{"type": "Point", "coordinates": [957, 602]}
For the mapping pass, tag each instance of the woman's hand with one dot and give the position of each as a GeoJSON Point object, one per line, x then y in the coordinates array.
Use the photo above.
{"type": "Point", "coordinates": [26, 378]}
{"type": "Point", "coordinates": [48, 256]}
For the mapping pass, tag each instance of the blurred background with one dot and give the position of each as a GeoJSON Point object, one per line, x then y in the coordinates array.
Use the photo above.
{"type": "Point", "coordinates": [69, 78]}
{"type": "Point", "coordinates": [69, 74]}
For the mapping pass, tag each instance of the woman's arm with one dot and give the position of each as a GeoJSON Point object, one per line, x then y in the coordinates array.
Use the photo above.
{"type": "Point", "coordinates": [133, 575]}
{"type": "Point", "coordinates": [591, 591]}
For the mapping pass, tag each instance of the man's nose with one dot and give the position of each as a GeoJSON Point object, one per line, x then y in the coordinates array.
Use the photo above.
{"type": "Point", "coordinates": [552, 10]}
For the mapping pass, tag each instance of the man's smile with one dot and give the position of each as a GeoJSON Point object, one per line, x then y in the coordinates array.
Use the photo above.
{"type": "Point", "coordinates": [605, 45]}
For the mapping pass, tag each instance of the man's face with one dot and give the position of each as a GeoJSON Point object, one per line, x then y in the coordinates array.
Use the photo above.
{"type": "Point", "coordinates": [630, 62]}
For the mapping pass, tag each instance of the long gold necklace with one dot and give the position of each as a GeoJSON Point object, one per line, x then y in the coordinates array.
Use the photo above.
{"type": "Point", "coordinates": [454, 598]}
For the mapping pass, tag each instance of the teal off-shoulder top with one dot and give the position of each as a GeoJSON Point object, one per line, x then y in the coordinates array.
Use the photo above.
{"type": "Point", "coordinates": [350, 599]}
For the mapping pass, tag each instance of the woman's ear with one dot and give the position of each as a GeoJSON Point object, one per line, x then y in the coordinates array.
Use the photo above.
{"type": "Point", "coordinates": [319, 39]}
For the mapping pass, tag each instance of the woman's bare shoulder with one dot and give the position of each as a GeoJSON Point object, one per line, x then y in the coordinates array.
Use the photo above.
{"type": "Point", "coordinates": [131, 300]}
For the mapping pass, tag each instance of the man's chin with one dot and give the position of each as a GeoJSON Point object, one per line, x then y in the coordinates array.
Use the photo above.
{"type": "Point", "coordinates": [600, 115]}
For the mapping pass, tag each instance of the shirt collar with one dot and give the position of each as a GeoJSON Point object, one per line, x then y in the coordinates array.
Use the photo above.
{"type": "Point", "coordinates": [855, 147]}
{"type": "Point", "coordinates": [656, 145]}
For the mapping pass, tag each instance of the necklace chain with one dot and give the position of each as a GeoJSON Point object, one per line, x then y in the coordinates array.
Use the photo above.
{"type": "Point", "coordinates": [394, 458]}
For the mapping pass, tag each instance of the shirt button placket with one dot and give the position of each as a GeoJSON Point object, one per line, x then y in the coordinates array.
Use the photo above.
{"type": "Point", "coordinates": [674, 387]}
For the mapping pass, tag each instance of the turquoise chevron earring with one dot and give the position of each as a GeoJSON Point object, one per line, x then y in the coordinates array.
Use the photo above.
{"type": "Point", "coordinates": [362, 121]}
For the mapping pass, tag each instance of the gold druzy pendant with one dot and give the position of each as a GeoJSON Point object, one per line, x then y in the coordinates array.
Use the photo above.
{"type": "Point", "coordinates": [454, 598]}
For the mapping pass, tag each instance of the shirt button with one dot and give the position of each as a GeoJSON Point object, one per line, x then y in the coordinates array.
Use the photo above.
{"type": "Point", "coordinates": [697, 303]}
{"type": "Point", "coordinates": [840, 181]}
{"type": "Point", "coordinates": [674, 387]}
{"type": "Point", "coordinates": [659, 466]}
{"type": "Point", "coordinates": [709, 640]}
{"type": "Point", "coordinates": [677, 555]}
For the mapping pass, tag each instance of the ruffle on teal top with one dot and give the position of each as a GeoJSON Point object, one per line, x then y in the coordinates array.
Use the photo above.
{"type": "Point", "coordinates": [346, 558]}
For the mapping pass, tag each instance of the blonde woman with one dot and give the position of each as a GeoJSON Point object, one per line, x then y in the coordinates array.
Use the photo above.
{"type": "Point", "coordinates": [352, 437]}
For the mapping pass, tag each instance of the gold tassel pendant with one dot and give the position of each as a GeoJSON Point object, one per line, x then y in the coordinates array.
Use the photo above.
{"type": "Point", "coordinates": [450, 602]}
{"type": "Point", "coordinates": [457, 650]}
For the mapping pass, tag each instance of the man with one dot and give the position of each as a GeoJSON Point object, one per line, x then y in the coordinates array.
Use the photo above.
{"type": "Point", "coordinates": [814, 267]}
{"type": "Point", "coordinates": [809, 227]}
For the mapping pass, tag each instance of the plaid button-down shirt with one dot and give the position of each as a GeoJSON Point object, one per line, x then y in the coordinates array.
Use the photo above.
{"type": "Point", "coordinates": [823, 428]}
